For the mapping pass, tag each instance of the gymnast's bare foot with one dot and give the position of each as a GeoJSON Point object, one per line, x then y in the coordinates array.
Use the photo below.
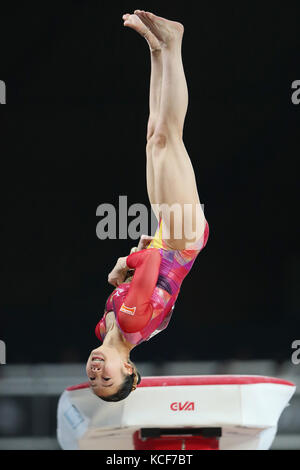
{"type": "Point", "coordinates": [134, 22]}
{"type": "Point", "coordinates": [167, 32]}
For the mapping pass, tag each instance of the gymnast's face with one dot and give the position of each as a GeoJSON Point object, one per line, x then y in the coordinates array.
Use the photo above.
{"type": "Point", "coordinates": [105, 369]}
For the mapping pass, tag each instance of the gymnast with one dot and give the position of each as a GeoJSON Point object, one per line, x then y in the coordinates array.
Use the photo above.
{"type": "Point", "coordinates": [148, 280]}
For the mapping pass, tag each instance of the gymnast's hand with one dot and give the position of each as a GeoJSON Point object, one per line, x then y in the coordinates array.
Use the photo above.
{"type": "Point", "coordinates": [119, 273]}
{"type": "Point", "coordinates": [145, 240]}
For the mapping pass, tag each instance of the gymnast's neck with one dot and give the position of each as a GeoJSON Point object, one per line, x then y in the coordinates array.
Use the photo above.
{"type": "Point", "coordinates": [114, 337]}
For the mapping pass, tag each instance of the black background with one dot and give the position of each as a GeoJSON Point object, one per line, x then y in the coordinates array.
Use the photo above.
{"type": "Point", "coordinates": [73, 136]}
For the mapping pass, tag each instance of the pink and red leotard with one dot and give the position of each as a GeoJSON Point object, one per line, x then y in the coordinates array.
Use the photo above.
{"type": "Point", "coordinates": [144, 306]}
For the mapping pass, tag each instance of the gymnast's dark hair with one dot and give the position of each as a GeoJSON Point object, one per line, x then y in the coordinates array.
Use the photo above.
{"type": "Point", "coordinates": [130, 383]}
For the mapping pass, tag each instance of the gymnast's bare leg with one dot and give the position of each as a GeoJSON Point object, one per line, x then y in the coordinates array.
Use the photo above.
{"type": "Point", "coordinates": [170, 174]}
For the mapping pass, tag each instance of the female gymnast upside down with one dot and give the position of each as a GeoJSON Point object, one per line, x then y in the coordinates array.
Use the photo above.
{"type": "Point", "coordinates": [137, 310]}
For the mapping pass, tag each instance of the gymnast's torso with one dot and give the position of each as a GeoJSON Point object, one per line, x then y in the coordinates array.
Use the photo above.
{"type": "Point", "coordinates": [144, 306]}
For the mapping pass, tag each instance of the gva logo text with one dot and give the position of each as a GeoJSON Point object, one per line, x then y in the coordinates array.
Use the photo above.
{"type": "Point", "coordinates": [2, 92]}
{"type": "Point", "coordinates": [187, 406]}
{"type": "Point", "coordinates": [2, 352]}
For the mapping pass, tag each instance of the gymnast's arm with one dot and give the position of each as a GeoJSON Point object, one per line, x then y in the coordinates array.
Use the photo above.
{"type": "Point", "coordinates": [135, 310]}
{"type": "Point", "coordinates": [146, 264]}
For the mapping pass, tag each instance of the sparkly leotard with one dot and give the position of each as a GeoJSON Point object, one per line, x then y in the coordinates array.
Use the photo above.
{"type": "Point", "coordinates": [144, 307]}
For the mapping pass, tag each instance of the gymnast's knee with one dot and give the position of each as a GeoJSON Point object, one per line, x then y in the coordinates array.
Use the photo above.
{"type": "Point", "coordinates": [164, 135]}
{"type": "Point", "coordinates": [159, 139]}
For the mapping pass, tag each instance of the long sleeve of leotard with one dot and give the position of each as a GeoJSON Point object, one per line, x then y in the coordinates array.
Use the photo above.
{"type": "Point", "coordinates": [136, 309]}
